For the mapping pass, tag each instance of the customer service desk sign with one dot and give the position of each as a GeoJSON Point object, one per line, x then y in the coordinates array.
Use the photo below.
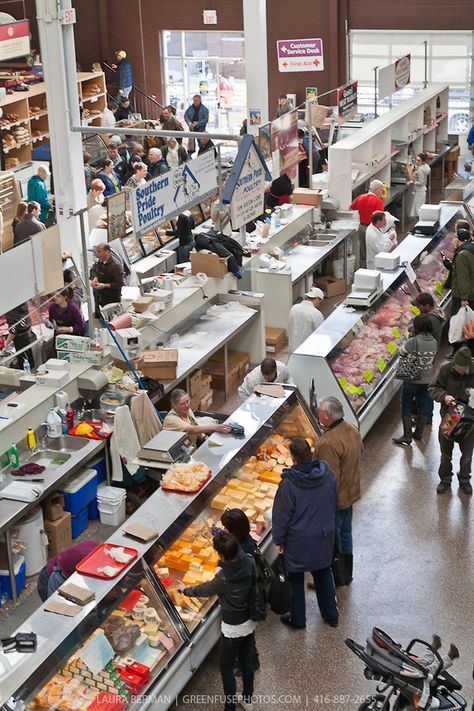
{"type": "Point", "coordinates": [170, 194]}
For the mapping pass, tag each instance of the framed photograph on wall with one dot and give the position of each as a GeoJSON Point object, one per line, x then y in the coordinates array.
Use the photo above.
{"type": "Point", "coordinates": [132, 247]}
{"type": "Point", "coordinates": [150, 242]}
{"type": "Point", "coordinates": [116, 216]}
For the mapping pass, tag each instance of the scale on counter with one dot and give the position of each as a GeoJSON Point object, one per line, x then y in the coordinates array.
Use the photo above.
{"type": "Point", "coordinates": [166, 446]}
{"type": "Point", "coordinates": [366, 288]}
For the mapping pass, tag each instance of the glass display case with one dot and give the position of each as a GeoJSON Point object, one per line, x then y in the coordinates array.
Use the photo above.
{"type": "Point", "coordinates": [354, 353]}
{"type": "Point", "coordinates": [142, 630]}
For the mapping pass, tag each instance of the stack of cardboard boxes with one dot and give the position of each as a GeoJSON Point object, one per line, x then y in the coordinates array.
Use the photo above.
{"type": "Point", "coordinates": [57, 524]}
{"type": "Point", "coordinates": [238, 365]}
{"type": "Point", "coordinates": [200, 391]}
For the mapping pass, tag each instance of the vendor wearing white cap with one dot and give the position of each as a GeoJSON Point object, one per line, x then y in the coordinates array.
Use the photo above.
{"type": "Point", "coordinates": [380, 236]}
{"type": "Point", "coordinates": [304, 318]}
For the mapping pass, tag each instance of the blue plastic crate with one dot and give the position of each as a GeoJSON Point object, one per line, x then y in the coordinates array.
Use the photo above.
{"type": "Point", "coordinates": [93, 510]}
{"type": "Point", "coordinates": [41, 152]}
{"type": "Point", "coordinates": [80, 491]}
{"type": "Point", "coordinates": [99, 466]}
{"type": "Point", "coordinates": [79, 523]}
{"type": "Point", "coordinates": [20, 578]}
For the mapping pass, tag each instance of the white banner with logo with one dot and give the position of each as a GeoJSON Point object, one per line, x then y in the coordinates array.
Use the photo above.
{"type": "Point", "coordinates": [170, 194]}
{"type": "Point", "coordinates": [247, 200]}
{"type": "Point", "coordinates": [393, 77]}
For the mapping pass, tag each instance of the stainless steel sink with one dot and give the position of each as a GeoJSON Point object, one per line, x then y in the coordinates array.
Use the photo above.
{"type": "Point", "coordinates": [49, 458]}
{"type": "Point", "coordinates": [65, 443]}
{"type": "Point", "coordinates": [321, 238]}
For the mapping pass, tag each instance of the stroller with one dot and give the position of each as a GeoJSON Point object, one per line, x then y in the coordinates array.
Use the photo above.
{"type": "Point", "coordinates": [412, 681]}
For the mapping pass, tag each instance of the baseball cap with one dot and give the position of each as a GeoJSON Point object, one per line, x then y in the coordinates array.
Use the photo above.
{"type": "Point", "coordinates": [423, 299]}
{"type": "Point", "coordinates": [121, 53]}
{"type": "Point", "coordinates": [463, 235]}
{"type": "Point", "coordinates": [315, 293]}
{"type": "Point", "coordinates": [463, 356]}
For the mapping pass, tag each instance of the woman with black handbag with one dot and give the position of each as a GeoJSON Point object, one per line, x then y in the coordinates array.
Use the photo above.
{"type": "Point", "coordinates": [415, 369]}
{"type": "Point", "coordinates": [234, 584]}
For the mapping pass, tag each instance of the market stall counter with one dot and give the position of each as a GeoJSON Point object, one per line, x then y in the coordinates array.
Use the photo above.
{"type": "Point", "coordinates": [353, 354]}
{"type": "Point", "coordinates": [140, 636]}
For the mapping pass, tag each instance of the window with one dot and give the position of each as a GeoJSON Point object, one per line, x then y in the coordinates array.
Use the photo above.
{"type": "Point", "coordinates": [211, 64]}
{"type": "Point", "coordinates": [449, 62]}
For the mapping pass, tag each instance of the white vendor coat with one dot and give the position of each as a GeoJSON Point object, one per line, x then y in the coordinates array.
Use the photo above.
{"type": "Point", "coordinates": [255, 377]}
{"type": "Point", "coordinates": [378, 241]}
{"type": "Point", "coordinates": [303, 320]}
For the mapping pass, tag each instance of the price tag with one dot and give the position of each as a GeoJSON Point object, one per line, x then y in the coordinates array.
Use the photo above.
{"type": "Point", "coordinates": [360, 391]}
{"type": "Point", "coordinates": [343, 383]}
{"type": "Point", "coordinates": [391, 347]}
{"type": "Point", "coordinates": [439, 288]}
{"type": "Point", "coordinates": [368, 375]}
{"type": "Point", "coordinates": [410, 273]}
{"type": "Point", "coordinates": [415, 310]}
{"type": "Point", "coordinates": [352, 390]}
{"type": "Point", "coordinates": [381, 364]}
{"type": "Point", "coordinates": [93, 99]}
{"type": "Point", "coordinates": [396, 332]}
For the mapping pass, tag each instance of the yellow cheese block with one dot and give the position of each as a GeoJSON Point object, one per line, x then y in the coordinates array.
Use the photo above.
{"type": "Point", "coordinates": [238, 495]}
{"type": "Point", "coordinates": [272, 477]}
{"type": "Point", "coordinates": [234, 484]}
{"type": "Point", "coordinates": [219, 502]}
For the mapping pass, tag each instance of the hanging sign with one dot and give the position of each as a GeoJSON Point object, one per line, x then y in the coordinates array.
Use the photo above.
{"type": "Point", "coordinates": [300, 55]}
{"type": "Point", "coordinates": [347, 101]}
{"type": "Point", "coordinates": [14, 40]}
{"type": "Point", "coordinates": [204, 87]}
{"type": "Point", "coordinates": [170, 194]}
{"type": "Point", "coordinates": [402, 72]}
{"type": "Point", "coordinates": [245, 187]}
{"type": "Point", "coordinates": [393, 77]}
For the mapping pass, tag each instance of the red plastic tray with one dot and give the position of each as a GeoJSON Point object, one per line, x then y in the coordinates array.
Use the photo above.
{"type": "Point", "coordinates": [194, 491]}
{"type": "Point", "coordinates": [129, 602]}
{"type": "Point", "coordinates": [98, 559]}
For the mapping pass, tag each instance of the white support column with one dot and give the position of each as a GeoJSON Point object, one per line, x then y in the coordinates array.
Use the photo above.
{"type": "Point", "coordinates": [256, 69]}
{"type": "Point", "coordinates": [59, 64]}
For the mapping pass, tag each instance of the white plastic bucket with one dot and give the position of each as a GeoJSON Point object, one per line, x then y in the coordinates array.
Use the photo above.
{"type": "Point", "coordinates": [31, 531]}
{"type": "Point", "coordinates": [338, 267]}
{"type": "Point", "coordinates": [112, 514]}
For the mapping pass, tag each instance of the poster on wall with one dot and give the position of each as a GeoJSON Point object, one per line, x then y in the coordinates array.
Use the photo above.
{"type": "Point", "coordinates": [116, 216]}
{"type": "Point", "coordinates": [14, 40]}
{"type": "Point", "coordinates": [347, 102]}
{"type": "Point", "coordinates": [265, 141]}
{"type": "Point", "coordinates": [245, 187]}
{"type": "Point", "coordinates": [311, 93]}
{"type": "Point", "coordinates": [394, 77]}
{"type": "Point", "coordinates": [300, 55]}
{"type": "Point", "coordinates": [204, 87]}
{"type": "Point", "coordinates": [285, 141]}
{"type": "Point", "coordinates": [170, 194]}
{"type": "Point", "coordinates": [255, 116]}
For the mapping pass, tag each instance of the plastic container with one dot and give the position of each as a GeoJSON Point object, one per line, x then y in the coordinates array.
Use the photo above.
{"type": "Point", "coordinates": [111, 503]}
{"type": "Point", "coordinates": [20, 578]}
{"type": "Point", "coordinates": [80, 491]}
{"type": "Point", "coordinates": [54, 424]}
{"type": "Point", "coordinates": [92, 510]}
{"type": "Point", "coordinates": [31, 531]}
{"type": "Point", "coordinates": [14, 456]}
{"type": "Point", "coordinates": [79, 522]}
{"type": "Point", "coordinates": [338, 267]}
{"type": "Point", "coordinates": [99, 466]}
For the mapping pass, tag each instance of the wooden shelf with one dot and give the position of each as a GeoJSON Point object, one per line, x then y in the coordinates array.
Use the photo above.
{"type": "Point", "coordinates": [35, 139]}
{"type": "Point", "coordinates": [93, 98]}
{"type": "Point", "coordinates": [43, 112]}
{"type": "Point", "coordinates": [12, 125]}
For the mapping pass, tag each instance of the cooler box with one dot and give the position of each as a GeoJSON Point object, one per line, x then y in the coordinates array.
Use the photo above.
{"type": "Point", "coordinates": [92, 510]}
{"type": "Point", "coordinates": [80, 491]}
{"type": "Point", "coordinates": [111, 504]}
{"type": "Point", "coordinates": [99, 465]}
{"type": "Point", "coordinates": [20, 578]}
{"type": "Point", "coordinates": [79, 522]}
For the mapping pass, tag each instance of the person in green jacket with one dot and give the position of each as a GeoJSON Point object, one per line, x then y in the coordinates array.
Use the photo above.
{"type": "Point", "coordinates": [38, 192]}
{"type": "Point", "coordinates": [462, 274]}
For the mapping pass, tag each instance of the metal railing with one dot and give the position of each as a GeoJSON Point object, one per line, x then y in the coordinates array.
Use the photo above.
{"type": "Point", "coordinates": [145, 104]}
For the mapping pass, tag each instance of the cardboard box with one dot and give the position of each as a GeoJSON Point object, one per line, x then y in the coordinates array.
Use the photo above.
{"type": "Point", "coordinates": [274, 339]}
{"type": "Point", "coordinates": [59, 534]}
{"type": "Point", "coordinates": [142, 304]}
{"type": "Point", "coordinates": [453, 154]}
{"type": "Point", "coordinates": [94, 357]}
{"type": "Point", "coordinates": [206, 402]}
{"type": "Point", "coordinates": [53, 506]}
{"type": "Point", "coordinates": [331, 286]}
{"type": "Point", "coordinates": [137, 363]}
{"type": "Point", "coordinates": [160, 364]}
{"type": "Point", "coordinates": [216, 371]}
{"type": "Point", "coordinates": [306, 196]}
{"type": "Point", "coordinates": [206, 381]}
{"type": "Point", "coordinates": [67, 342]}
{"type": "Point", "coordinates": [53, 378]}
{"type": "Point", "coordinates": [210, 264]}
{"type": "Point", "coordinates": [240, 359]}
{"type": "Point", "coordinates": [195, 402]}
{"type": "Point", "coordinates": [195, 382]}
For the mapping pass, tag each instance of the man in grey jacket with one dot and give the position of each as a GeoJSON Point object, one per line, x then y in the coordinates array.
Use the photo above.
{"type": "Point", "coordinates": [30, 224]}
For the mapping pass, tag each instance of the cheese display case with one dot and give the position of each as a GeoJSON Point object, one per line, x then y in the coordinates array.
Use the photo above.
{"type": "Point", "coordinates": [355, 352]}
{"type": "Point", "coordinates": [141, 639]}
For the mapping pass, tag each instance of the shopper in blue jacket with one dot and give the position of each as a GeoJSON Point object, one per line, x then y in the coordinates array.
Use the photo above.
{"type": "Point", "coordinates": [196, 116]}
{"type": "Point", "coordinates": [124, 73]}
{"type": "Point", "coordinates": [303, 530]}
{"type": "Point", "coordinates": [470, 138]}
{"type": "Point", "coordinates": [38, 192]}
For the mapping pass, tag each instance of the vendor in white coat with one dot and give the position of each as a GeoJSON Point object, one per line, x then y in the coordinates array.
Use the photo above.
{"type": "Point", "coordinates": [381, 236]}
{"type": "Point", "coordinates": [269, 371]}
{"type": "Point", "coordinates": [304, 318]}
{"type": "Point", "coordinates": [421, 176]}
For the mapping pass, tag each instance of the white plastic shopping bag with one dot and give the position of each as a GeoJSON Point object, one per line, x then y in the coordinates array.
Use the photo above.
{"type": "Point", "coordinates": [458, 322]}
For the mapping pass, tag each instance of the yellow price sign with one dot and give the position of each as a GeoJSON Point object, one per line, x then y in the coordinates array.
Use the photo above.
{"type": "Point", "coordinates": [396, 332]}
{"type": "Point", "coordinates": [368, 375]}
{"type": "Point", "coordinates": [381, 364]}
{"type": "Point", "coordinates": [360, 391]}
{"type": "Point", "coordinates": [415, 310]}
{"type": "Point", "coordinates": [352, 390]}
{"type": "Point", "coordinates": [343, 383]}
{"type": "Point", "coordinates": [391, 347]}
{"type": "Point", "coordinates": [439, 288]}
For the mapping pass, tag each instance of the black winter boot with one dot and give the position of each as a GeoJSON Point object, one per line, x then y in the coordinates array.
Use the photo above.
{"type": "Point", "coordinates": [421, 421]}
{"type": "Point", "coordinates": [406, 436]}
{"type": "Point", "coordinates": [348, 559]}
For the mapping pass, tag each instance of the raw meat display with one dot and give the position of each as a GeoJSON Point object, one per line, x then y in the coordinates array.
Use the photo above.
{"type": "Point", "coordinates": [431, 271]}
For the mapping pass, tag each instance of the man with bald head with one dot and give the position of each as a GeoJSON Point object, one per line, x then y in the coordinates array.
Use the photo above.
{"type": "Point", "coordinates": [366, 205]}
{"type": "Point", "coordinates": [156, 163]}
{"type": "Point", "coordinates": [107, 277]}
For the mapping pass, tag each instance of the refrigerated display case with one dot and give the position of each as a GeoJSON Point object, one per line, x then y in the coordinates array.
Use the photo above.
{"type": "Point", "coordinates": [141, 640]}
{"type": "Point", "coordinates": [353, 354]}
